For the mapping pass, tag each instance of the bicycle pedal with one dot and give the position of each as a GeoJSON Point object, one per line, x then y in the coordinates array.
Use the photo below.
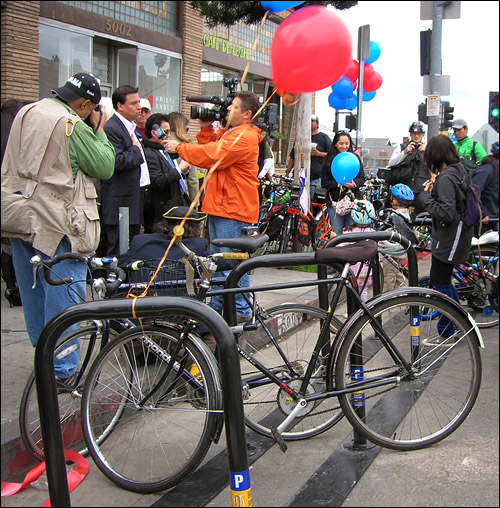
{"type": "Point", "coordinates": [277, 437]}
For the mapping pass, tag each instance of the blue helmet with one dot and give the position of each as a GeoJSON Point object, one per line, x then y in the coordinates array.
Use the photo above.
{"type": "Point", "coordinates": [363, 212]}
{"type": "Point", "coordinates": [403, 194]}
{"type": "Point", "coordinates": [494, 149]}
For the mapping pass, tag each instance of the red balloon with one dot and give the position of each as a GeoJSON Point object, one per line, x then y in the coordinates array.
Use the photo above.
{"type": "Point", "coordinates": [352, 71]}
{"type": "Point", "coordinates": [372, 82]}
{"type": "Point", "coordinates": [368, 69]}
{"type": "Point", "coordinates": [310, 50]}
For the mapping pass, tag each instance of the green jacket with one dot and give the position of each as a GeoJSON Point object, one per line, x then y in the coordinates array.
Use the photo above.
{"type": "Point", "coordinates": [467, 146]}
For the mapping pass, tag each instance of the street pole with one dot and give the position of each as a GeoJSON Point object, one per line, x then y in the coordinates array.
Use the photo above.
{"type": "Point", "coordinates": [436, 65]}
{"type": "Point", "coordinates": [363, 53]}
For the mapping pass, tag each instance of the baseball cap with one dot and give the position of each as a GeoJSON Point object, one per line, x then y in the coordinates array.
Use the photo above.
{"type": "Point", "coordinates": [79, 85]}
{"type": "Point", "coordinates": [145, 104]}
{"type": "Point", "coordinates": [459, 124]}
{"type": "Point", "coordinates": [495, 149]}
{"type": "Point", "coordinates": [314, 118]}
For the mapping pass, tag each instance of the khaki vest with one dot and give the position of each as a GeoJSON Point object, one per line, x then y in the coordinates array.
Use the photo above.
{"type": "Point", "coordinates": [40, 202]}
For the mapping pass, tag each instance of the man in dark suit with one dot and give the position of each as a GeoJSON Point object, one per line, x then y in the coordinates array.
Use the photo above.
{"type": "Point", "coordinates": [126, 187]}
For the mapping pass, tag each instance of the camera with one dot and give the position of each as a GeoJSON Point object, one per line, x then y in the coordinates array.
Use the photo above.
{"type": "Point", "coordinates": [268, 119]}
{"type": "Point", "coordinates": [219, 111]}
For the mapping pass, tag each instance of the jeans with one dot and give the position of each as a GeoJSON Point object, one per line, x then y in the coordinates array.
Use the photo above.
{"type": "Point", "coordinates": [339, 222]}
{"type": "Point", "coordinates": [44, 301]}
{"type": "Point", "coordinates": [312, 189]}
{"type": "Point", "coordinates": [219, 227]}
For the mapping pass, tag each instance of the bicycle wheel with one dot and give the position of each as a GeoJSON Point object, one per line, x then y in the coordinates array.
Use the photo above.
{"type": "Point", "coordinates": [169, 414]}
{"type": "Point", "coordinates": [69, 403]}
{"type": "Point", "coordinates": [409, 411]}
{"type": "Point", "coordinates": [285, 233]}
{"type": "Point", "coordinates": [294, 329]}
{"type": "Point", "coordinates": [482, 299]}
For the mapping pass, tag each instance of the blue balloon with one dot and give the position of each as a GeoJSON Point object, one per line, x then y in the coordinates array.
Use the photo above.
{"type": "Point", "coordinates": [368, 96]}
{"type": "Point", "coordinates": [351, 102]}
{"type": "Point", "coordinates": [279, 6]}
{"type": "Point", "coordinates": [374, 52]}
{"type": "Point", "coordinates": [345, 167]}
{"type": "Point", "coordinates": [343, 87]}
{"type": "Point", "coordinates": [336, 102]}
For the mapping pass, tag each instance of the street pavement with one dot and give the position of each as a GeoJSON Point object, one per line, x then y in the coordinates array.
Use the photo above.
{"type": "Point", "coordinates": [462, 470]}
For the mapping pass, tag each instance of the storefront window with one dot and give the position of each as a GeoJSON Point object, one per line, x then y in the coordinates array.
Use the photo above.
{"type": "Point", "coordinates": [62, 54]}
{"type": "Point", "coordinates": [160, 80]}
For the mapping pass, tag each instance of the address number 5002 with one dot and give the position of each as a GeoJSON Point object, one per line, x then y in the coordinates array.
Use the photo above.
{"type": "Point", "coordinates": [118, 28]}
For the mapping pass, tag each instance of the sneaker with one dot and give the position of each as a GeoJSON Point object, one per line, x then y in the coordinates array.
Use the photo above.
{"type": "Point", "coordinates": [67, 385]}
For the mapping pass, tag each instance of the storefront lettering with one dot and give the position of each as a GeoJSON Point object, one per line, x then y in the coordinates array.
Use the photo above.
{"type": "Point", "coordinates": [118, 28]}
{"type": "Point", "coordinates": [225, 46]}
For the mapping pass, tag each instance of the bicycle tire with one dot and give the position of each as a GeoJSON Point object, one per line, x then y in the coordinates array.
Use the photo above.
{"type": "Point", "coordinates": [412, 412]}
{"type": "Point", "coordinates": [69, 403]}
{"type": "Point", "coordinates": [483, 306]}
{"type": "Point", "coordinates": [150, 448]}
{"type": "Point", "coordinates": [285, 234]}
{"type": "Point", "coordinates": [265, 404]}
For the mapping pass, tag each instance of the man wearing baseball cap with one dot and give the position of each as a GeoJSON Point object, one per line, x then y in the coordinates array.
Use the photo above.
{"type": "Point", "coordinates": [140, 123]}
{"type": "Point", "coordinates": [48, 200]}
{"type": "Point", "coordinates": [470, 151]}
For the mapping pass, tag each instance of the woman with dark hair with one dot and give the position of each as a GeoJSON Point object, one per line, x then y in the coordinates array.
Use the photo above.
{"type": "Point", "coordinates": [444, 198]}
{"type": "Point", "coordinates": [342, 142]}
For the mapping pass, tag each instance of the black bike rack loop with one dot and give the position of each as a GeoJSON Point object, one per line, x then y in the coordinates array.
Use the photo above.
{"type": "Point", "coordinates": [149, 307]}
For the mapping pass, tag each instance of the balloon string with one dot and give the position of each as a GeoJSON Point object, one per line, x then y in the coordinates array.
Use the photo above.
{"type": "Point", "coordinates": [178, 237]}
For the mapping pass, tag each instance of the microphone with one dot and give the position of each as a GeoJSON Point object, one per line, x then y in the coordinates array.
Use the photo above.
{"type": "Point", "coordinates": [158, 131]}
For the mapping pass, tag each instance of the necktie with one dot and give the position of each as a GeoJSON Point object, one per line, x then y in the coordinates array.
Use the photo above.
{"type": "Point", "coordinates": [182, 183]}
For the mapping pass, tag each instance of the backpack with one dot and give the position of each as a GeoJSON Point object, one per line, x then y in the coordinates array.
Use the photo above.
{"type": "Point", "coordinates": [306, 229]}
{"type": "Point", "coordinates": [470, 161]}
{"type": "Point", "coordinates": [472, 213]}
{"type": "Point", "coordinates": [271, 225]}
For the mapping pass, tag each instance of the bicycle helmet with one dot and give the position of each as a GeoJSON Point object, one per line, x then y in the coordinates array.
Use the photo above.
{"type": "Point", "coordinates": [494, 149]}
{"type": "Point", "coordinates": [363, 213]}
{"type": "Point", "coordinates": [417, 127]}
{"type": "Point", "coordinates": [403, 194]}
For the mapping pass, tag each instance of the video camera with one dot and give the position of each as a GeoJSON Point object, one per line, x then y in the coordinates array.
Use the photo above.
{"type": "Point", "coordinates": [219, 112]}
{"type": "Point", "coordinates": [268, 119]}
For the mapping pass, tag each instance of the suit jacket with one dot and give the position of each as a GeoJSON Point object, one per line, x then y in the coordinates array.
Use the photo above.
{"type": "Point", "coordinates": [123, 188]}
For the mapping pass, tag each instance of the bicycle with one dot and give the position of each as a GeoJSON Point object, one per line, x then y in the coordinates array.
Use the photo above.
{"type": "Point", "coordinates": [89, 338]}
{"type": "Point", "coordinates": [477, 280]}
{"type": "Point", "coordinates": [295, 361]}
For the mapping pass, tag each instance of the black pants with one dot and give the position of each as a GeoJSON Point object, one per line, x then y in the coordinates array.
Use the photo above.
{"type": "Point", "coordinates": [440, 273]}
{"type": "Point", "coordinates": [113, 238]}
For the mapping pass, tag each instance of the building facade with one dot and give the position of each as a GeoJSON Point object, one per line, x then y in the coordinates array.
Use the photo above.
{"type": "Point", "coordinates": [163, 47]}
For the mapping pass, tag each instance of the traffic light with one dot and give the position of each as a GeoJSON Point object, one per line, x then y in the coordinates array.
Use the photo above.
{"type": "Point", "coordinates": [422, 112]}
{"type": "Point", "coordinates": [351, 122]}
{"type": "Point", "coordinates": [493, 110]}
{"type": "Point", "coordinates": [446, 116]}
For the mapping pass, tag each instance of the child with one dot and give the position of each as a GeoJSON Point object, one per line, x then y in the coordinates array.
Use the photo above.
{"type": "Point", "coordinates": [362, 215]}
{"type": "Point", "coordinates": [402, 197]}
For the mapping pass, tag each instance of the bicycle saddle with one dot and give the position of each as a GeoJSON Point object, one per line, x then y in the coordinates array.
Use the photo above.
{"type": "Point", "coordinates": [353, 253]}
{"type": "Point", "coordinates": [244, 244]}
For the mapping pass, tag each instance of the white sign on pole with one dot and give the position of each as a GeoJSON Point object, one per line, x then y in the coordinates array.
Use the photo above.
{"type": "Point", "coordinates": [433, 104]}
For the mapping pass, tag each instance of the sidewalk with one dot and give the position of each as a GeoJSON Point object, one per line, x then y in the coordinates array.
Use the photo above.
{"type": "Point", "coordinates": [460, 471]}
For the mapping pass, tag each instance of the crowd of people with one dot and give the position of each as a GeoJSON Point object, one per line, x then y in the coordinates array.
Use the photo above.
{"type": "Point", "coordinates": [68, 170]}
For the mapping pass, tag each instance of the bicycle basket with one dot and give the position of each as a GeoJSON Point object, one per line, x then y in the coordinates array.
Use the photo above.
{"type": "Point", "coordinates": [170, 281]}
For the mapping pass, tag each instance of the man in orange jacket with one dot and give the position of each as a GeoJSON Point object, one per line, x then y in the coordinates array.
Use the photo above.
{"type": "Point", "coordinates": [231, 197]}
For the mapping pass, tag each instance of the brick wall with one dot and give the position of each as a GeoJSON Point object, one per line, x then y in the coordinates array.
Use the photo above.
{"type": "Point", "coordinates": [19, 51]}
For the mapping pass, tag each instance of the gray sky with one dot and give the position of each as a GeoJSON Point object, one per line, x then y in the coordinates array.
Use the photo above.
{"type": "Point", "coordinates": [470, 47]}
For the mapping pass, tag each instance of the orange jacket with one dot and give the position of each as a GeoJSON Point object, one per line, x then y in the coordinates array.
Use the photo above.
{"type": "Point", "coordinates": [232, 191]}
